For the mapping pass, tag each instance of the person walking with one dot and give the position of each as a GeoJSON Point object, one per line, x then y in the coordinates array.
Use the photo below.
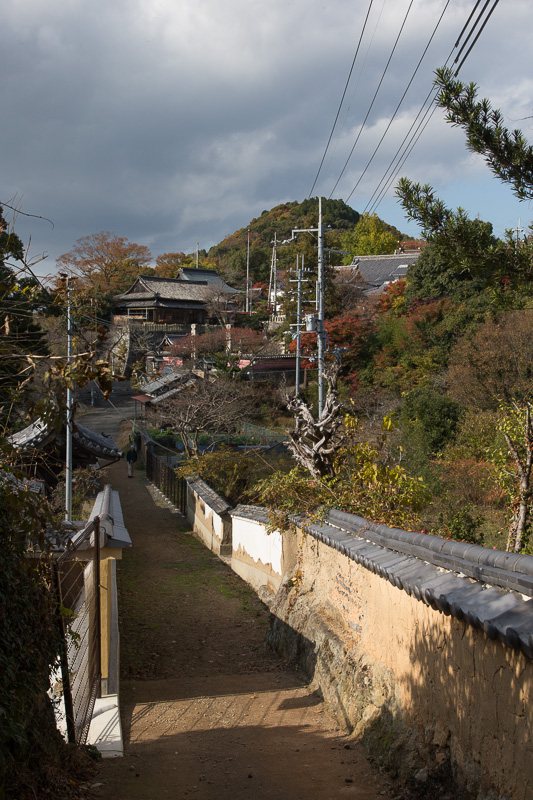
{"type": "Point", "coordinates": [131, 458]}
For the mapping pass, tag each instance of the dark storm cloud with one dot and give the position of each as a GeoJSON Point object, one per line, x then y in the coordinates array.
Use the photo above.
{"type": "Point", "coordinates": [173, 124]}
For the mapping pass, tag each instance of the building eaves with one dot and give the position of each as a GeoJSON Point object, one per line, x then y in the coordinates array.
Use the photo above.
{"type": "Point", "coordinates": [38, 434]}
{"type": "Point", "coordinates": [97, 443]}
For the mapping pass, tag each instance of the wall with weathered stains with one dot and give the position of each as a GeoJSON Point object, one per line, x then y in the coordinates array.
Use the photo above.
{"type": "Point", "coordinates": [257, 556]}
{"type": "Point", "coordinates": [436, 698]}
{"type": "Point", "coordinates": [209, 517]}
{"type": "Point", "coordinates": [429, 694]}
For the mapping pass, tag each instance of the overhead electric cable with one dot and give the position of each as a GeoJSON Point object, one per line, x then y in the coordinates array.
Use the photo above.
{"type": "Point", "coordinates": [467, 23]}
{"type": "Point", "coordinates": [342, 98]}
{"type": "Point", "coordinates": [471, 31]}
{"type": "Point", "coordinates": [407, 152]}
{"type": "Point", "coordinates": [477, 37]}
{"type": "Point", "coordinates": [373, 99]}
{"type": "Point", "coordinates": [399, 157]}
{"type": "Point", "coordinates": [401, 100]}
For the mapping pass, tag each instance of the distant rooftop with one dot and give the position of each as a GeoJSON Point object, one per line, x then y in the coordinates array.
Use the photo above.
{"type": "Point", "coordinates": [192, 285]}
{"type": "Point", "coordinates": [376, 271]}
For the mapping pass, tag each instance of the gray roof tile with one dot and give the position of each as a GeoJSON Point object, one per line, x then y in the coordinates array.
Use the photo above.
{"type": "Point", "coordinates": [378, 270]}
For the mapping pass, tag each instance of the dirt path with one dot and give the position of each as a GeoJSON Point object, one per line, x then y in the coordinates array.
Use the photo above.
{"type": "Point", "coordinates": [207, 711]}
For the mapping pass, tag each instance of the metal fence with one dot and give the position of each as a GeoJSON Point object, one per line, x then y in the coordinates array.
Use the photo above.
{"type": "Point", "coordinates": [77, 582]}
{"type": "Point", "coordinates": [163, 475]}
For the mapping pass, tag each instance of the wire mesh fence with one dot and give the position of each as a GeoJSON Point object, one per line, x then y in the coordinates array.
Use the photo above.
{"type": "Point", "coordinates": [262, 435]}
{"type": "Point", "coordinates": [77, 580]}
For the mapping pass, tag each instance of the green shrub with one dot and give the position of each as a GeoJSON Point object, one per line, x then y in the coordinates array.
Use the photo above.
{"type": "Point", "coordinates": [428, 422]}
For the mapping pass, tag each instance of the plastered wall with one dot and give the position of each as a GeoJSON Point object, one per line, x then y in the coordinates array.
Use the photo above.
{"type": "Point", "coordinates": [407, 678]}
{"type": "Point", "coordinates": [433, 698]}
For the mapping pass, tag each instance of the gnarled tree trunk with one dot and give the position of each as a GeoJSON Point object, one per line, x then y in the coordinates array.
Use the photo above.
{"type": "Point", "coordinates": [314, 442]}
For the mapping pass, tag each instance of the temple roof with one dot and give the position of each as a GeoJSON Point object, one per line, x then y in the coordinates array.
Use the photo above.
{"type": "Point", "coordinates": [185, 288]}
{"type": "Point", "coordinates": [39, 434]}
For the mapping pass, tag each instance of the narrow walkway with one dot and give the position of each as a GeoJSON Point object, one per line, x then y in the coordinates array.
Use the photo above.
{"type": "Point", "coordinates": [207, 711]}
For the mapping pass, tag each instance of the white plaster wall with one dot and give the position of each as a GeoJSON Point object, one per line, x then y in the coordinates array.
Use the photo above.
{"type": "Point", "coordinates": [217, 526]}
{"type": "Point", "coordinates": [251, 539]}
{"type": "Point", "coordinates": [206, 523]}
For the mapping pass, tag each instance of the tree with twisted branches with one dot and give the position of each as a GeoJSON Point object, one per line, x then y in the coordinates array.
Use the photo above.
{"type": "Point", "coordinates": [314, 442]}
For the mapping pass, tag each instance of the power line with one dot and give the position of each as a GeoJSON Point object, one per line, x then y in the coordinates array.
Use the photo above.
{"type": "Point", "coordinates": [401, 100]}
{"type": "Point", "coordinates": [431, 94]}
{"type": "Point", "coordinates": [477, 37]}
{"type": "Point", "coordinates": [402, 157]}
{"type": "Point", "coordinates": [342, 98]}
{"type": "Point", "coordinates": [373, 99]}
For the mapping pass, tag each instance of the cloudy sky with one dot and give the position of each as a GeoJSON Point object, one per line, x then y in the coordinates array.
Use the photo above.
{"type": "Point", "coordinates": [173, 122]}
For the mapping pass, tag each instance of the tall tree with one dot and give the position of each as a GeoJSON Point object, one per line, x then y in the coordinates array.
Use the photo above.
{"type": "Point", "coordinates": [20, 296]}
{"type": "Point", "coordinates": [206, 406]}
{"type": "Point", "coordinates": [106, 262]}
{"type": "Point", "coordinates": [167, 265]}
{"type": "Point", "coordinates": [371, 236]}
{"type": "Point", "coordinates": [461, 250]}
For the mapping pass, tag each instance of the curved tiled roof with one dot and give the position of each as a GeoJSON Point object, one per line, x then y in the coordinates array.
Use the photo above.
{"type": "Point", "coordinates": [37, 434]}
{"type": "Point", "coordinates": [175, 289]}
{"type": "Point", "coordinates": [379, 270]}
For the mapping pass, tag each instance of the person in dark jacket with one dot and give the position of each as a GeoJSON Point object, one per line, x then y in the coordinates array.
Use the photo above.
{"type": "Point", "coordinates": [131, 458]}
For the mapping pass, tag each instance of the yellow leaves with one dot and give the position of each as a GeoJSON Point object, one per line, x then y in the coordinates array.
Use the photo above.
{"type": "Point", "coordinates": [351, 423]}
{"type": "Point", "coordinates": [365, 483]}
{"type": "Point", "coordinates": [389, 424]}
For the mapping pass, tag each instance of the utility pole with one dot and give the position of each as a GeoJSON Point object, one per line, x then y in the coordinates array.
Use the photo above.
{"type": "Point", "coordinates": [320, 334]}
{"type": "Point", "coordinates": [299, 269]}
{"type": "Point", "coordinates": [248, 304]}
{"type": "Point", "coordinates": [273, 282]}
{"type": "Point", "coordinates": [518, 230]}
{"type": "Point", "coordinates": [70, 409]}
{"type": "Point", "coordinates": [197, 253]}
{"type": "Point", "coordinates": [275, 273]}
{"type": "Point", "coordinates": [320, 330]}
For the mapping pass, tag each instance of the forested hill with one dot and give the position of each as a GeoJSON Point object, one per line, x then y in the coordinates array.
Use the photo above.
{"type": "Point", "coordinates": [230, 255]}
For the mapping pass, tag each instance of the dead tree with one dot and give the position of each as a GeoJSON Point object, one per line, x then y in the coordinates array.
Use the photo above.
{"type": "Point", "coordinates": [314, 443]}
{"type": "Point", "coordinates": [206, 405]}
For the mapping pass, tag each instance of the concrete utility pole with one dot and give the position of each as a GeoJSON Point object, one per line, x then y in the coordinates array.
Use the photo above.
{"type": "Point", "coordinates": [275, 273]}
{"type": "Point", "coordinates": [273, 281]}
{"type": "Point", "coordinates": [320, 330]}
{"type": "Point", "coordinates": [197, 253]}
{"type": "Point", "coordinates": [321, 333]}
{"type": "Point", "coordinates": [70, 409]}
{"type": "Point", "coordinates": [248, 304]}
{"type": "Point", "coordinates": [299, 269]}
{"type": "Point", "coordinates": [518, 230]}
